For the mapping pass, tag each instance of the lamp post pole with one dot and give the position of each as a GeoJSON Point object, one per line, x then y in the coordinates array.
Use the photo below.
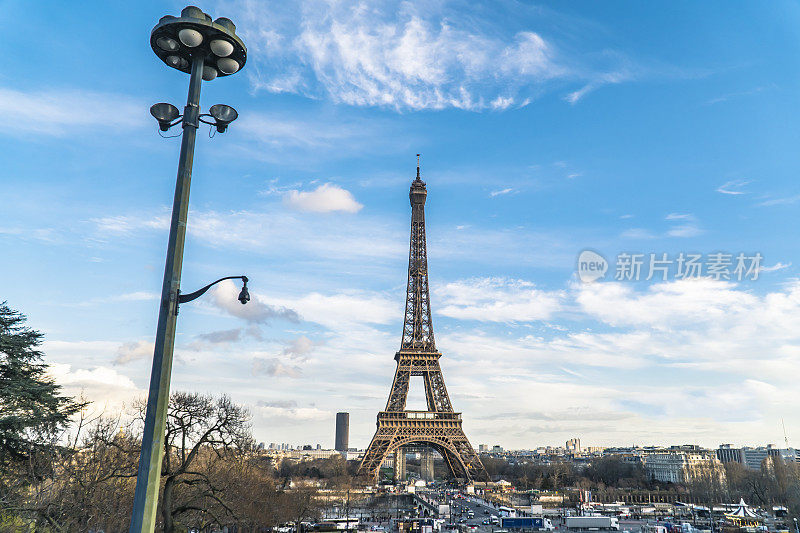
{"type": "Point", "coordinates": [204, 49]}
{"type": "Point", "coordinates": [145, 500]}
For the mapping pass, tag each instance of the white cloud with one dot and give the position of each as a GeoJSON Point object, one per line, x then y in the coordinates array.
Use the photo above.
{"type": "Point", "coordinates": [59, 112]}
{"type": "Point", "coordinates": [715, 348]}
{"type": "Point", "coordinates": [406, 56]}
{"type": "Point", "coordinates": [277, 231]}
{"type": "Point", "coordinates": [132, 351]}
{"type": "Point", "coordinates": [497, 300]}
{"type": "Point", "coordinates": [324, 199]}
{"type": "Point", "coordinates": [275, 367]}
{"type": "Point", "coordinates": [664, 305]}
{"type": "Point", "coordinates": [299, 348]}
{"type": "Point", "coordinates": [225, 296]}
{"type": "Point", "coordinates": [106, 388]}
{"type": "Point", "coordinates": [344, 310]}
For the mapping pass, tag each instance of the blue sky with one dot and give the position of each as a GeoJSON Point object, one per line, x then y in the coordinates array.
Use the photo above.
{"type": "Point", "coordinates": [545, 129]}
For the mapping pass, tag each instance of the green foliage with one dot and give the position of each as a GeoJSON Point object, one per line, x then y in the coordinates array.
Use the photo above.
{"type": "Point", "coordinates": [32, 409]}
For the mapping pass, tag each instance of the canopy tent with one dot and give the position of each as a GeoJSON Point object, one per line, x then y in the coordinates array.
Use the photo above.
{"type": "Point", "coordinates": [743, 511]}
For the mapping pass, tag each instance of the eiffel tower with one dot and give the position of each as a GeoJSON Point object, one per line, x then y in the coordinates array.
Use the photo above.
{"type": "Point", "coordinates": [439, 427]}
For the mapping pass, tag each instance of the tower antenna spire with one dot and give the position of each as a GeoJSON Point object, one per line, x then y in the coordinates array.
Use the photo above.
{"type": "Point", "coordinates": [418, 167]}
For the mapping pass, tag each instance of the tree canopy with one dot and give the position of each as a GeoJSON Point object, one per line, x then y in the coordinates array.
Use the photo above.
{"type": "Point", "coordinates": [32, 408]}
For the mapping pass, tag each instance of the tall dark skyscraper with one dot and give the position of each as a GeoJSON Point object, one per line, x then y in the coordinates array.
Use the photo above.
{"type": "Point", "coordinates": [342, 431]}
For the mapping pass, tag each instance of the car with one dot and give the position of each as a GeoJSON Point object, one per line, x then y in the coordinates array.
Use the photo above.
{"type": "Point", "coordinates": [486, 511]}
{"type": "Point", "coordinates": [377, 528]}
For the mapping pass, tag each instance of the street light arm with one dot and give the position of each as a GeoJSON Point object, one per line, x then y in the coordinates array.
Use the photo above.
{"type": "Point", "coordinates": [183, 298]}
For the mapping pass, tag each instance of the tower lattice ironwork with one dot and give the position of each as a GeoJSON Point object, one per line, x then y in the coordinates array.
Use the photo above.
{"type": "Point", "coordinates": [439, 427]}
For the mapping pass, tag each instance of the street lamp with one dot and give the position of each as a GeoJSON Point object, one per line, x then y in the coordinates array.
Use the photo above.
{"type": "Point", "coordinates": [204, 49]}
{"type": "Point", "coordinates": [244, 295]}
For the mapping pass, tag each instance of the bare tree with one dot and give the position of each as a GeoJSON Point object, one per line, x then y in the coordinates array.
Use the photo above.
{"type": "Point", "coordinates": [204, 438]}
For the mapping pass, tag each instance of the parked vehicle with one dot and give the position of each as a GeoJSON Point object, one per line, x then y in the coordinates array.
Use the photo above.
{"type": "Point", "coordinates": [592, 522]}
{"type": "Point", "coordinates": [536, 523]}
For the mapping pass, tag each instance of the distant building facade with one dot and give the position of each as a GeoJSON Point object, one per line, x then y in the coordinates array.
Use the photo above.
{"type": "Point", "coordinates": [753, 458]}
{"type": "Point", "coordinates": [683, 464]}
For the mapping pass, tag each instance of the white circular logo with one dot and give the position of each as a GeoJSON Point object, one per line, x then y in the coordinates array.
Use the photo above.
{"type": "Point", "coordinates": [591, 266]}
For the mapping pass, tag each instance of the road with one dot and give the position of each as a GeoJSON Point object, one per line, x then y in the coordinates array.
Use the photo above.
{"type": "Point", "coordinates": [462, 505]}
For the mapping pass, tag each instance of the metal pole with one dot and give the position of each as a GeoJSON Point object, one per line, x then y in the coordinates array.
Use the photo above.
{"type": "Point", "coordinates": [145, 500]}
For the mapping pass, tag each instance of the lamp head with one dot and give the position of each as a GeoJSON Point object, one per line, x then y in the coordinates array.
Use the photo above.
{"type": "Point", "coordinates": [244, 296]}
{"type": "Point", "coordinates": [194, 35]}
{"type": "Point", "coordinates": [223, 115]}
{"type": "Point", "coordinates": [164, 113]}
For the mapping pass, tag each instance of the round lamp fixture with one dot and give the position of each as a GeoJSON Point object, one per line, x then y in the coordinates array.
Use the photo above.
{"type": "Point", "coordinates": [177, 62]}
{"type": "Point", "coordinates": [167, 44]}
{"type": "Point", "coordinates": [209, 73]}
{"type": "Point", "coordinates": [221, 47]}
{"type": "Point", "coordinates": [227, 65]}
{"type": "Point", "coordinates": [191, 38]}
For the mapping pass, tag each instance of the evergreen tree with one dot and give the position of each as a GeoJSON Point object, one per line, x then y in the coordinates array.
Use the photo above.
{"type": "Point", "coordinates": [32, 409]}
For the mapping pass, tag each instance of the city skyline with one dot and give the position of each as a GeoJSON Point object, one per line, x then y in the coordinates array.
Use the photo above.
{"type": "Point", "coordinates": [544, 131]}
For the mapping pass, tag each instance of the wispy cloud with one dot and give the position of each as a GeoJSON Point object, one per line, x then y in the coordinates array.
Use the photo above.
{"type": "Point", "coordinates": [786, 200]}
{"type": "Point", "coordinates": [638, 233]}
{"type": "Point", "coordinates": [686, 227]}
{"type": "Point", "coordinates": [777, 266]}
{"type": "Point", "coordinates": [402, 55]}
{"type": "Point", "coordinates": [603, 79]}
{"type": "Point", "coordinates": [59, 112]}
{"type": "Point", "coordinates": [730, 96]}
{"type": "Point", "coordinates": [683, 225]}
{"type": "Point", "coordinates": [501, 192]}
{"type": "Point", "coordinates": [733, 187]}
